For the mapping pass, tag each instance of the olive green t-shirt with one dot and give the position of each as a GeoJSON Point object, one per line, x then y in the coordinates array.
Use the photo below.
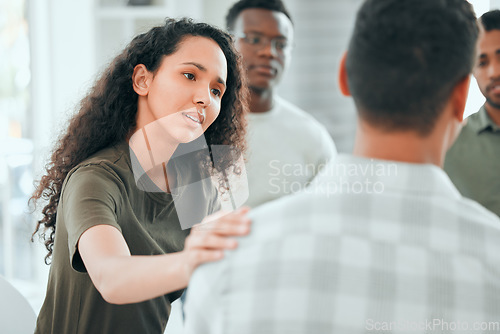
{"type": "Point", "coordinates": [473, 162]}
{"type": "Point", "coordinates": [102, 190]}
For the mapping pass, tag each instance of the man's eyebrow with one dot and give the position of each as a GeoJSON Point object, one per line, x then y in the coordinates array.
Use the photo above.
{"type": "Point", "coordinates": [204, 69]}
{"type": "Point", "coordinates": [484, 55]}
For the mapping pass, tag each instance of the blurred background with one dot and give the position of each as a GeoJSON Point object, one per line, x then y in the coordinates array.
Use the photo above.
{"type": "Point", "coordinates": [51, 51]}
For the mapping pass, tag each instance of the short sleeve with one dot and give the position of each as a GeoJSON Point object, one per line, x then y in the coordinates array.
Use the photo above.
{"type": "Point", "coordinates": [90, 197]}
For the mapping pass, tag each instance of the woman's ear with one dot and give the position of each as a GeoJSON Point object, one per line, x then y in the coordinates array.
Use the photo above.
{"type": "Point", "coordinates": [141, 79]}
{"type": "Point", "coordinates": [343, 84]}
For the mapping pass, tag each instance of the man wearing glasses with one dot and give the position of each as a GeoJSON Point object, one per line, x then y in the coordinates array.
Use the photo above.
{"type": "Point", "coordinates": [286, 145]}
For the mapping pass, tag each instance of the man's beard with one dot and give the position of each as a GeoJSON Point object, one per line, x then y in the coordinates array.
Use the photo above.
{"type": "Point", "coordinates": [493, 104]}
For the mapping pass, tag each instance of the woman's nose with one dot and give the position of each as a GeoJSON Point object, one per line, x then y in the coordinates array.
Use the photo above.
{"type": "Point", "coordinates": [202, 96]}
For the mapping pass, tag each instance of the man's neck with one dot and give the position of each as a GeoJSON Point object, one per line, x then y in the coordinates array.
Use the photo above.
{"type": "Point", "coordinates": [493, 112]}
{"type": "Point", "coordinates": [401, 146]}
{"type": "Point", "coordinates": [261, 100]}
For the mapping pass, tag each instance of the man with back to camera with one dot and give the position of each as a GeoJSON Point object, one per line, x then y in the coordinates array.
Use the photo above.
{"type": "Point", "coordinates": [286, 145]}
{"type": "Point", "coordinates": [473, 162]}
{"type": "Point", "coordinates": [382, 241]}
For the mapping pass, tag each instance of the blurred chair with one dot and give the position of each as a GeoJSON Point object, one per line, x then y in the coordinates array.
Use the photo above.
{"type": "Point", "coordinates": [16, 314]}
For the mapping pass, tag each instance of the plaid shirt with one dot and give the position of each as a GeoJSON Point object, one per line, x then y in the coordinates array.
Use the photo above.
{"type": "Point", "coordinates": [370, 246]}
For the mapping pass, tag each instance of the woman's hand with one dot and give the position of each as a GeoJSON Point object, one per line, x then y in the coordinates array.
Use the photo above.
{"type": "Point", "coordinates": [208, 240]}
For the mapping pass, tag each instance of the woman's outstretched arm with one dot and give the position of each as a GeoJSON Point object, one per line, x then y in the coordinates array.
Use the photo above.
{"type": "Point", "coordinates": [122, 278]}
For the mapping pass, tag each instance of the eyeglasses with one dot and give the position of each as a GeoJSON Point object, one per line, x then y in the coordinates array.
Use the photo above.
{"type": "Point", "coordinates": [279, 45]}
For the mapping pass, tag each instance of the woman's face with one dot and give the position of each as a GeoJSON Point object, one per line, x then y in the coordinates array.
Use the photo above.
{"type": "Point", "coordinates": [183, 98]}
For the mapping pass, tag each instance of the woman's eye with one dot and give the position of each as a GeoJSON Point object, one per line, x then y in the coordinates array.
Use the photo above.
{"type": "Point", "coordinates": [216, 92]}
{"type": "Point", "coordinates": [190, 76]}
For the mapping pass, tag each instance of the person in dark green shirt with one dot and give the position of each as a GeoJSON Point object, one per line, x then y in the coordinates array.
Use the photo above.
{"type": "Point", "coordinates": [473, 162]}
{"type": "Point", "coordinates": [118, 251]}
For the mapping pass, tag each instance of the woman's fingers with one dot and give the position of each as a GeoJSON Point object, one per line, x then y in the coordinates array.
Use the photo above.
{"type": "Point", "coordinates": [227, 228]}
{"type": "Point", "coordinates": [243, 210]}
{"type": "Point", "coordinates": [224, 213]}
{"type": "Point", "coordinates": [223, 223]}
{"type": "Point", "coordinates": [215, 234]}
{"type": "Point", "coordinates": [210, 241]}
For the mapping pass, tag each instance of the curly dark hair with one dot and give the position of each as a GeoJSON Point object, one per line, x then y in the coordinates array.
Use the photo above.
{"type": "Point", "coordinates": [107, 115]}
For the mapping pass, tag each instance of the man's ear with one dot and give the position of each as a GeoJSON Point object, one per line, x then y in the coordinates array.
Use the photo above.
{"type": "Point", "coordinates": [459, 97]}
{"type": "Point", "coordinates": [343, 84]}
{"type": "Point", "coordinates": [141, 79]}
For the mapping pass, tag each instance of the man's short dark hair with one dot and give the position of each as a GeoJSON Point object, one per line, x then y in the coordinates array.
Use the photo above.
{"type": "Point", "coordinates": [238, 7]}
{"type": "Point", "coordinates": [490, 20]}
{"type": "Point", "coordinates": [406, 56]}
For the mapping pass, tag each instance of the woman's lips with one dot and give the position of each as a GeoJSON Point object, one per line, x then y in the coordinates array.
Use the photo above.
{"type": "Point", "coordinates": [194, 117]}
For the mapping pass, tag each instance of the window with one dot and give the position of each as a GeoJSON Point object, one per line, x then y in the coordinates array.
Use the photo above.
{"type": "Point", "coordinates": [16, 148]}
{"type": "Point", "coordinates": [20, 260]}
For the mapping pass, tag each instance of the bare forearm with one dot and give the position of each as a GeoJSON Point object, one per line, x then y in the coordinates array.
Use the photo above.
{"type": "Point", "coordinates": [132, 279]}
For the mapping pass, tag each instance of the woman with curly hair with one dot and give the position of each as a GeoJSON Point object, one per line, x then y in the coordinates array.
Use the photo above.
{"type": "Point", "coordinates": [119, 256]}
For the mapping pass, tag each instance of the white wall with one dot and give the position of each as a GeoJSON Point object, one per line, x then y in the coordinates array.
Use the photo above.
{"type": "Point", "coordinates": [62, 63]}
